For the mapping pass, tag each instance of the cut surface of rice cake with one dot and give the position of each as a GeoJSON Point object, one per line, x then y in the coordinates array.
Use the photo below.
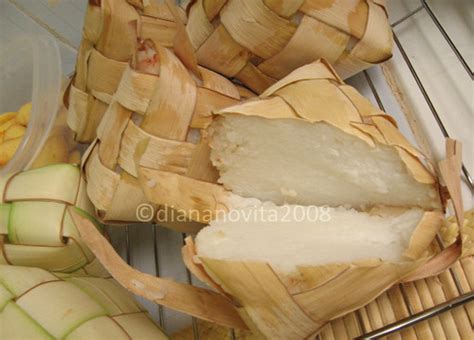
{"type": "Point", "coordinates": [289, 236]}
{"type": "Point", "coordinates": [311, 163]}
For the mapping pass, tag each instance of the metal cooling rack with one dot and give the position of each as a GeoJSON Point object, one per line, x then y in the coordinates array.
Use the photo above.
{"type": "Point", "coordinates": [123, 243]}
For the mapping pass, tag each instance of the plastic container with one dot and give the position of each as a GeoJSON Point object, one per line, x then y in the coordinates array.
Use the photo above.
{"type": "Point", "coordinates": [30, 71]}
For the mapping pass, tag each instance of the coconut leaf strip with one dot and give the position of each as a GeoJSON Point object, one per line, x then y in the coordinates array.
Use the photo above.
{"type": "Point", "coordinates": [201, 27]}
{"type": "Point", "coordinates": [347, 65]}
{"type": "Point", "coordinates": [92, 23]}
{"type": "Point", "coordinates": [376, 43]}
{"type": "Point", "coordinates": [95, 111]}
{"type": "Point", "coordinates": [78, 101]}
{"type": "Point", "coordinates": [135, 90]}
{"type": "Point", "coordinates": [200, 166]}
{"type": "Point", "coordinates": [195, 301]}
{"type": "Point", "coordinates": [450, 169]}
{"type": "Point", "coordinates": [418, 170]}
{"type": "Point", "coordinates": [206, 102]}
{"type": "Point", "coordinates": [189, 257]}
{"type": "Point", "coordinates": [110, 132]}
{"type": "Point", "coordinates": [437, 263]}
{"type": "Point", "coordinates": [160, 154]}
{"type": "Point", "coordinates": [117, 40]}
{"type": "Point", "coordinates": [273, 108]}
{"type": "Point", "coordinates": [326, 42]}
{"type": "Point", "coordinates": [215, 82]}
{"type": "Point", "coordinates": [160, 31]}
{"type": "Point", "coordinates": [264, 298]}
{"type": "Point", "coordinates": [316, 70]}
{"type": "Point", "coordinates": [307, 277]}
{"type": "Point", "coordinates": [67, 258]}
{"type": "Point", "coordinates": [167, 188]}
{"type": "Point", "coordinates": [127, 197]}
{"type": "Point", "coordinates": [221, 53]}
{"type": "Point", "coordinates": [349, 16]}
{"type": "Point", "coordinates": [323, 302]}
{"type": "Point", "coordinates": [43, 184]}
{"type": "Point", "coordinates": [424, 234]}
{"type": "Point", "coordinates": [103, 73]}
{"type": "Point", "coordinates": [283, 8]}
{"type": "Point", "coordinates": [167, 117]}
{"type": "Point", "coordinates": [254, 79]}
{"type": "Point", "coordinates": [102, 186]}
{"type": "Point", "coordinates": [156, 9]}
{"type": "Point", "coordinates": [256, 27]}
{"type": "Point", "coordinates": [82, 65]}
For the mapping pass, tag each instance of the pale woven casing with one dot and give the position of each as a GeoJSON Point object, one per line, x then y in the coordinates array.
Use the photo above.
{"type": "Point", "coordinates": [166, 111]}
{"type": "Point", "coordinates": [36, 228]}
{"type": "Point", "coordinates": [261, 41]}
{"type": "Point", "coordinates": [35, 304]}
{"type": "Point", "coordinates": [108, 43]}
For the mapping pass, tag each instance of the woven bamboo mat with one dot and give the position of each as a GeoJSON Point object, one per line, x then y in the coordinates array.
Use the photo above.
{"type": "Point", "coordinates": [406, 299]}
{"type": "Point", "coordinates": [399, 302]}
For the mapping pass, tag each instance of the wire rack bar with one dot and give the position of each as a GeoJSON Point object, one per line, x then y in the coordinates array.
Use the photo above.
{"type": "Point", "coordinates": [190, 281]}
{"type": "Point", "coordinates": [405, 17]}
{"type": "Point", "coordinates": [127, 244]}
{"type": "Point", "coordinates": [434, 18]}
{"type": "Point", "coordinates": [374, 91]}
{"type": "Point", "coordinates": [433, 110]}
{"type": "Point", "coordinates": [447, 38]}
{"type": "Point", "coordinates": [422, 316]}
{"type": "Point", "coordinates": [157, 271]}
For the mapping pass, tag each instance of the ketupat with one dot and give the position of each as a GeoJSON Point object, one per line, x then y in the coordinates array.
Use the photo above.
{"type": "Point", "coordinates": [160, 101]}
{"type": "Point", "coordinates": [310, 139]}
{"type": "Point", "coordinates": [107, 46]}
{"type": "Point", "coordinates": [262, 41]}
{"type": "Point", "coordinates": [290, 275]}
{"type": "Point", "coordinates": [36, 304]}
{"type": "Point", "coordinates": [35, 225]}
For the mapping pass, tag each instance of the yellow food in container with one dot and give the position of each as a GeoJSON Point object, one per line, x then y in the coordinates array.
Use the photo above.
{"type": "Point", "coordinates": [33, 129]}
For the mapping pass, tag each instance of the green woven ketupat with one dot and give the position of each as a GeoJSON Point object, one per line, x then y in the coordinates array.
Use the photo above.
{"type": "Point", "coordinates": [36, 304]}
{"type": "Point", "coordinates": [35, 224]}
